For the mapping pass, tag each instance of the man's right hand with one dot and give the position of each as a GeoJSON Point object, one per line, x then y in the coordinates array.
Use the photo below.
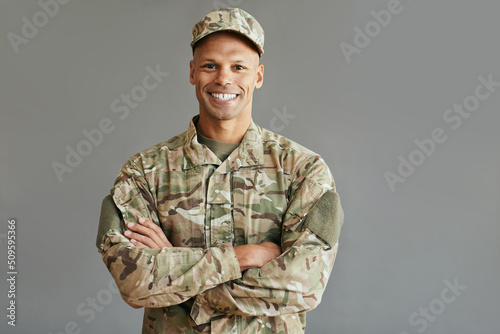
{"type": "Point", "coordinates": [256, 255]}
{"type": "Point", "coordinates": [147, 234]}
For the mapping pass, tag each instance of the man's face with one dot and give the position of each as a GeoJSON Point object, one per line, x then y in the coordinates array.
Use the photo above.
{"type": "Point", "coordinates": [225, 71]}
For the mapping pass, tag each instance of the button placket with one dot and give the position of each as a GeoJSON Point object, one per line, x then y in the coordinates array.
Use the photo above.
{"type": "Point", "coordinates": [219, 200]}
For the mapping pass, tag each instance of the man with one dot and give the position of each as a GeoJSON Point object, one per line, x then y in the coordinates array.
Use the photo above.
{"type": "Point", "coordinates": [227, 227]}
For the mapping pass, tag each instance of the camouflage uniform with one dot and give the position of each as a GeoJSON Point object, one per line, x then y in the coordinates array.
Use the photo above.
{"type": "Point", "coordinates": [262, 192]}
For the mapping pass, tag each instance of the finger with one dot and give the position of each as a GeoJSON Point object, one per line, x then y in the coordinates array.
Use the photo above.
{"type": "Point", "coordinates": [148, 232]}
{"type": "Point", "coordinates": [160, 237]}
{"type": "Point", "coordinates": [167, 243]}
{"type": "Point", "coordinates": [137, 243]}
{"type": "Point", "coordinates": [153, 231]}
{"type": "Point", "coordinates": [145, 240]}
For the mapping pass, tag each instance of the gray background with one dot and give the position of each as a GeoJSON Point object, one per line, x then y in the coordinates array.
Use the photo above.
{"type": "Point", "coordinates": [397, 247]}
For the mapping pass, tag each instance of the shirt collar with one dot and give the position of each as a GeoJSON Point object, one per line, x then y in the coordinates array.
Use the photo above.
{"type": "Point", "coordinates": [249, 153]}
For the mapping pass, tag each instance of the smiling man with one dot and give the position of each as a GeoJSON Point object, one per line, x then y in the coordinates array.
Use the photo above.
{"type": "Point", "coordinates": [225, 71]}
{"type": "Point", "coordinates": [227, 227]}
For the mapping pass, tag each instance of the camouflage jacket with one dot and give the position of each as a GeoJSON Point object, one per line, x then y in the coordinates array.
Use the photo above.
{"type": "Point", "coordinates": [262, 192]}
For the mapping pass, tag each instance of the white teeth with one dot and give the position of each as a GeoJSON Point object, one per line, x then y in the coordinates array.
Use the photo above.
{"type": "Point", "coordinates": [223, 97]}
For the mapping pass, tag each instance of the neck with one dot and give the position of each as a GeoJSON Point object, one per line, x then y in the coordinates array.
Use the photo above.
{"type": "Point", "coordinates": [225, 131]}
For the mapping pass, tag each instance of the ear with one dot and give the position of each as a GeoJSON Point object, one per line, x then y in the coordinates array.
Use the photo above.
{"type": "Point", "coordinates": [191, 72]}
{"type": "Point", "coordinates": [260, 76]}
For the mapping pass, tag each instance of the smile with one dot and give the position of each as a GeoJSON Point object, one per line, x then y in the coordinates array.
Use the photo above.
{"type": "Point", "coordinates": [224, 97]}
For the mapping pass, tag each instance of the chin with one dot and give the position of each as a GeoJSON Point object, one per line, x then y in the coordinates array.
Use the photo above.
{"type": "Point", "coordinates": [223, 115]}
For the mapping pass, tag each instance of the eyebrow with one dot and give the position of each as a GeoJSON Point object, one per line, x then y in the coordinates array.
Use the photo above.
{"type": "Point", "coordinates": [214, 61]}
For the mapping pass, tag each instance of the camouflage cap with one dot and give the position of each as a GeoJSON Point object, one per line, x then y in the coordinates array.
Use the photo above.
{"type": "Point", "coordinates": [230, 19]}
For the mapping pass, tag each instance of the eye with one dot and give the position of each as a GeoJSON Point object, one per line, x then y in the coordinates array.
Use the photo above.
{"type": "Point", "coordinates": [239, 67]}
{"type": "Point", "coordinates": [209, 66]}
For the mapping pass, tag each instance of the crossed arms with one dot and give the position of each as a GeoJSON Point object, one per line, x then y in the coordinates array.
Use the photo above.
{"type": "Point", "coordinates": [260, 280]}
{"type": "Point", "coordinates": [147, 234]}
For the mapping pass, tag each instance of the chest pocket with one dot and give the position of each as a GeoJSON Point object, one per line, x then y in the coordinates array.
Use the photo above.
{"type": "Point", "coordinates": [181, 208]}
{"type": "Point", "coordinates": [259, 202]}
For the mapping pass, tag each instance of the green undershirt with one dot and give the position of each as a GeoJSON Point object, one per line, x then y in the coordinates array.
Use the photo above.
{"type": "Point", "coordinates": [220, 149]}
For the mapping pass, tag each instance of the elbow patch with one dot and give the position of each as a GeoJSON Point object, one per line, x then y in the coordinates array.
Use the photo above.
{"type": "Point", "coordinates": [326, 218]}
{"type": "Point", "coordinates": [110, 219]}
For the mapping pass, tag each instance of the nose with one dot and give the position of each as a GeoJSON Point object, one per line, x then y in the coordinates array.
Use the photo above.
{"type": "Point", "coordinates": [224, 76]}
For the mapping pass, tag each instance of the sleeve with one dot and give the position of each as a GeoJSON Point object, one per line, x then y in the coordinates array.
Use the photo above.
{"type": "Point", "coordinates": [155, 277]}
{"type": "Point", "coordinates": [295, 281]}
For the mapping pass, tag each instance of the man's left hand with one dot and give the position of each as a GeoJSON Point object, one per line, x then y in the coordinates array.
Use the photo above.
{"type": "Point", "coordinates": [147, 234]}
